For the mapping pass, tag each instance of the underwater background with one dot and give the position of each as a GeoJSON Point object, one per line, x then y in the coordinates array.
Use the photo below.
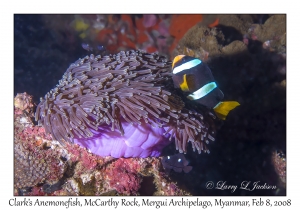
{"type": "Point", "coordinates": [247, 56]}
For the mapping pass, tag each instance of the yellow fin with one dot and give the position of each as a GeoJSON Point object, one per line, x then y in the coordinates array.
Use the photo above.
{"type": "Point", "coordinates": [223, 108]}
{"type": "Point", "coordinates": [184, 85]}
{"type": "Point", "coordinates": [176, 59]}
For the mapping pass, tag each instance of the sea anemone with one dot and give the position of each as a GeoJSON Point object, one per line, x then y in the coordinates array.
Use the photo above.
{"type": "Point", "coordinates": [123, 105]}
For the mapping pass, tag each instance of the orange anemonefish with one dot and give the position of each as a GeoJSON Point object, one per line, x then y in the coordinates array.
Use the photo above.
{"type": "Point", "coordinates": [193, 76]}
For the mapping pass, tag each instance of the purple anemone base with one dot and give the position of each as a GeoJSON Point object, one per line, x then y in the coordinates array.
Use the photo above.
{"type": "Point", "coordinates": [138, 141]}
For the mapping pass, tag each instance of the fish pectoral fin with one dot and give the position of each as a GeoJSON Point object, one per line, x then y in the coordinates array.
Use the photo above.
{"type": "Point", "coordinates": [187, 169]}
{"type": "Point", "coordinates": [223, 108]}
{"type": "Point", "coordinates": [177, 169]}
{"type": "Point", "coordinates": [184, 85]}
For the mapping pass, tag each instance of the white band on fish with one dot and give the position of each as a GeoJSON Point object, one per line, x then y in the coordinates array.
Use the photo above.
{"type": "Point", "coordinates": [203, 91]}
{"type": "Point", "coordinates": [186, 66]}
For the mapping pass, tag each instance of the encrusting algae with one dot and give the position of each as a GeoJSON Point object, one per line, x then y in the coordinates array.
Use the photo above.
{"type": "Point", "coordinates": [42, 166]}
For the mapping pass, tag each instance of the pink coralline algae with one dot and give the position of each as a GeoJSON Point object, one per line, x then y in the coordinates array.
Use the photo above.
{"type": "Point", "coordinates": [279, 162]}
{"type": "Point", "coordinates": [34, 162]}
{"type": "Point", "coordinates": [124, 177]}
{"type": "Point", "coordinates": [88, 160]}
{"type": "Point", "coordinates": [42, 166]}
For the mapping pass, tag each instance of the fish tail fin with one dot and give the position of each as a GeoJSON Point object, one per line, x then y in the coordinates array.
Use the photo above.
{"type": "Point", "coordinates": [223, 108]}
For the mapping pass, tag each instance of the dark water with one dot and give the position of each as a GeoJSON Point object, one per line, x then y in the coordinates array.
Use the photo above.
{"type": "Point", "coordinates": [41, 55]}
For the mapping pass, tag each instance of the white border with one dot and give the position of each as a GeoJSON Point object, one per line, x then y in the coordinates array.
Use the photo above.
{"type": "Point", "coordinates": [154, 6]}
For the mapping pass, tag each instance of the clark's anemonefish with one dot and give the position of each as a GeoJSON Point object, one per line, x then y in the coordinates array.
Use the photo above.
{"type": "Point", "coordinates": [193, 76]}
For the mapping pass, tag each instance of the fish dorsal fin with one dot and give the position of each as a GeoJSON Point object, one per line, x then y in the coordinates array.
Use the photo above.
{"type": "Point", "coordinates": [223, 108]}
{"type": "Point", "coordinates": [176, 59]}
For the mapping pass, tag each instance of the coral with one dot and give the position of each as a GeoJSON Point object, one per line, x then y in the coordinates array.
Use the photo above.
{"type": "Point", "coordinates": [71, 187]}
{"type": "Point", "coordinates": [152, 33]}
{"type": "Point", "coordinates": [23, 101]}
{"type": "Point", "coordinates": [44, 167]}
{"type": "Point", "coordinates": [88, 160]}
{"type": "Point", "coordinates": [37, 191]}
{"type": "Point", "coordinates": [164, 185]}
{"type": "Point", "coordinates": [124, 32]}
{"type": "Point", "coordinates": [279, 162]}
{"type": "Point", "coordinates": [123, 176]}
{"type": "Point", "coordinates": [34, 160]}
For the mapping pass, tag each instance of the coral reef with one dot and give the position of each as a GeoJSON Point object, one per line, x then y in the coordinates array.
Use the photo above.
{"type": "Point", "coordinates": [279, 162]}
{"type": "Point", "coordinates": [44, 167]}
{"type": "Point", "coordinates": [35, 161]}
{"type": "Point", "coordinates": [115, 33]}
